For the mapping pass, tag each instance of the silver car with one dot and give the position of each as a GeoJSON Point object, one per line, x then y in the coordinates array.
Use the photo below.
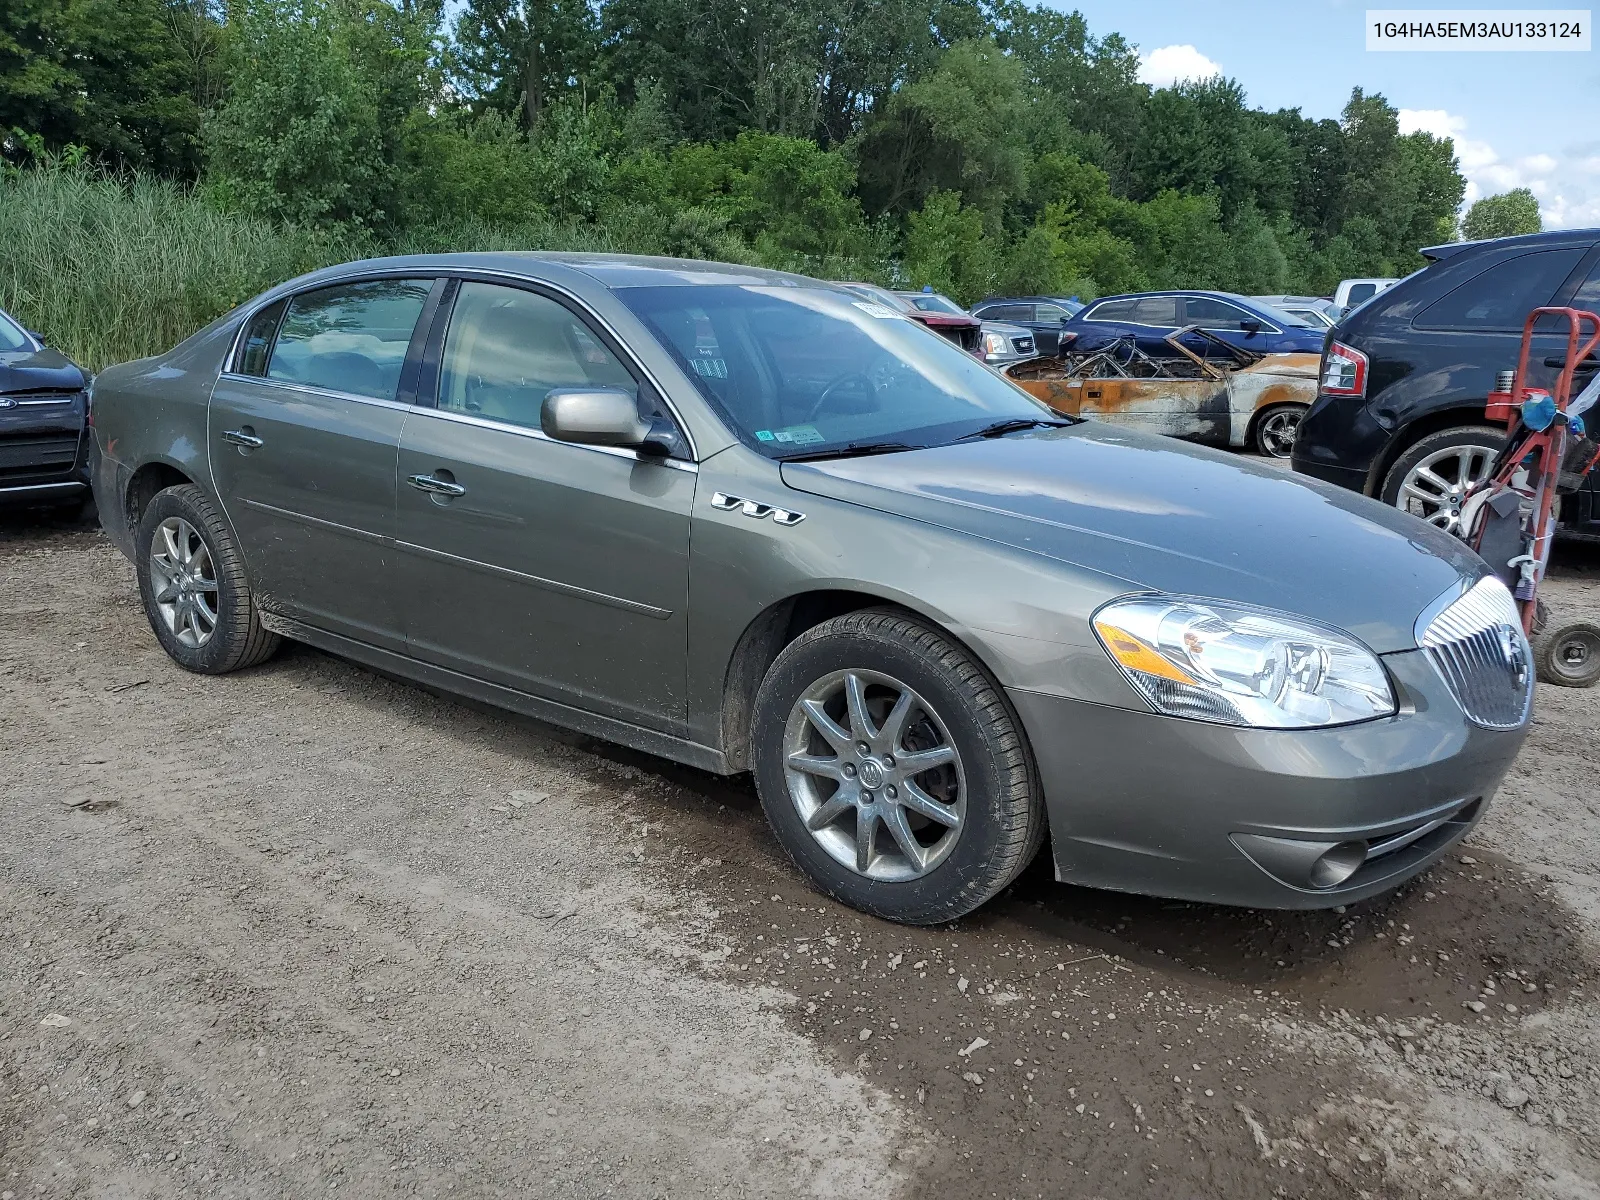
{"type": "Point", "coordinates": [751, 522]}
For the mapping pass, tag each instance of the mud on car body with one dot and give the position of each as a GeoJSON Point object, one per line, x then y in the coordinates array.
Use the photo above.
{"type": "Point", "coordinates": [752, 522]}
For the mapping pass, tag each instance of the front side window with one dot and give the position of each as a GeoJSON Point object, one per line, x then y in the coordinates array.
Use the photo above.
{"type": "Point", "coordinates": [1362, 291]}
{"type": "Point", "coordinates": [1502, 296]}
{"type": "Point", "coordinates": [1007, 312]}
{"type": "Point", "coordinates": [1213, 313]}
{"type": "Point", "coordinates": [1052, 314]}
{"type": "Point", "coordinates": [351, 338]}
{"type": "Point", "coordinates": [796, 370]}
{"type": "Point", "coordinates": [507, 349]}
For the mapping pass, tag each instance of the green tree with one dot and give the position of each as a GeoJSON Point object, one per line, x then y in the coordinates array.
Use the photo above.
{"type": "Point", "coordinates": [1508, 213]}
{"type": "Point", "coordinates": [125, 79]}
{"type": "Point", "coordinates": [314, 129]}
{"type": "Point", "coordinates": [947, 250]}
{"type": "Point", "coordinates": [520, 56]}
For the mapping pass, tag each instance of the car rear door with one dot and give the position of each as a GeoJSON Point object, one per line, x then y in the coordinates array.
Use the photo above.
{"type": "Point", "coordinates": [1047, 322]}
{"type": "Point", "coordinates": [304, 430]}
{"type": "Point", "coordinates": [556, 569]}
{"type": "Point", "coordinates": [1582, 511]}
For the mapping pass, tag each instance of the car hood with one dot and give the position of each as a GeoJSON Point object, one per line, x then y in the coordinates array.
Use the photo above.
{"type": "Point", "coordinates": [38, 370]}
{"type": "Point", "coordinates": [1170, 517]}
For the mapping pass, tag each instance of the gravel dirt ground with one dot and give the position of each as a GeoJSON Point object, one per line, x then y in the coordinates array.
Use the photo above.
{"type": "Point", "coordinates": [308, 929]}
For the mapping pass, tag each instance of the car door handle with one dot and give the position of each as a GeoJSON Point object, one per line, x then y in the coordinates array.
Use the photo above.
{"type": "Point", "coordinates": [438, 487]}
{"type": "Point", "coordinates": [239, 438]}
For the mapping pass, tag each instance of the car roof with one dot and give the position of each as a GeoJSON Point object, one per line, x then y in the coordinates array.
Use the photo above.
{"type": "Point", "coordinates": [1206, 292]}
{"type": "Point", "coordinates": [1027, 300]}
{"type": "Point", "coordinates": [1550, 237]}
{"type": "Point", "coordinates": [611, 270]}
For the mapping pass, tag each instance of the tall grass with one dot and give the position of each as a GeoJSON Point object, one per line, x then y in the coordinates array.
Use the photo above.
{"type": "Point", "coordinates": [109, 268]}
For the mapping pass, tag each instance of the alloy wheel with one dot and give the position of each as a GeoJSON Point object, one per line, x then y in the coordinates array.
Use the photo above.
{"type": "Point", "coordinates": [183, 580]}
{"type": "Point", "coordinates": [1278, 430]}
{"type": "Point", "coordinates": [865, 755]}
{"type": "Point", "coordinates": [1437, 487]}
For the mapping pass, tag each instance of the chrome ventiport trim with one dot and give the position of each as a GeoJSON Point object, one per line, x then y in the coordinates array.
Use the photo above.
{"type": "Point", "coordinates": [756, 509]}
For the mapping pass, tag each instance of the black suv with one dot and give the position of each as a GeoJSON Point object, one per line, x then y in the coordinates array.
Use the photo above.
{"type": "Point", "coordinates": [1400, 409]}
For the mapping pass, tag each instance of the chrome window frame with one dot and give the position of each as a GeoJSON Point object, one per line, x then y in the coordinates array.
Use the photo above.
{"type": "Point", "coordinates": [231, 359]}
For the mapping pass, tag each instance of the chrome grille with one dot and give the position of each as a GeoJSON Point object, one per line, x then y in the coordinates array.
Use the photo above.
{"type": "Point", "coordinates": [1476, 643]}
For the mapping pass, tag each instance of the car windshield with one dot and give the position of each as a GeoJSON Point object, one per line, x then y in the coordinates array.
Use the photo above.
{"type": "Point", "coordinates": [933, 302]}
{"type": "Point", "coordinates": [11, 335]}
{"type": "Point", "coordinates": [800, 370]}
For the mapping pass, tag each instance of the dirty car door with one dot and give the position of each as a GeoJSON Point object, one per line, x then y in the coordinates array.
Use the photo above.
{"type": "Point", "coordinates": [556, 569]}
{"type": "Point", "coordinates": [304, 429]}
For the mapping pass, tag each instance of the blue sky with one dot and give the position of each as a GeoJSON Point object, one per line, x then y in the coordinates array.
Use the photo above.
{"type": "Point", "coordinates": [1518, 119]}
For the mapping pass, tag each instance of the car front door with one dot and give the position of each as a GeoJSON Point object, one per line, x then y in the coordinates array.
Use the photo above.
{"type": "Point", "coordinates": [1046, 325]}
{"type": "Point", "coordinates": [1234, 325]}
{"type": "Point", "coordinates": [556, 569]}
{"type": "Point", "coordinates": [304, 428]}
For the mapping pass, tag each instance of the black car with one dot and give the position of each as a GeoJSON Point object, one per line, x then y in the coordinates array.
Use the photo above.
{"type": "Point", "coordinates": [1400, 408]}
{"type": "Point", "coordinates": [44, 409]}
{"type": "Point", "coordinates": [1042, 315]}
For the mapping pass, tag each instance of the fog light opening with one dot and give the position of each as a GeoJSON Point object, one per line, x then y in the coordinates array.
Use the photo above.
{"type": "Point", "coordinates": [1337, 865]}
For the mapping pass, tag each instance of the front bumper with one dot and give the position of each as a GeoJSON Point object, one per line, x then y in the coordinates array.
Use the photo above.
{"type": "Point", "coordinates": [1145, 803]}
{"type": "Point", "coordinates": [43, 450]}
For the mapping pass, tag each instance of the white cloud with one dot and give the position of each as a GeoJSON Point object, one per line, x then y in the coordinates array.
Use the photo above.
{"type": "Point", "coordinates": [1567, 188]}
{"type": "Point", "coordinates": [1166, 65]}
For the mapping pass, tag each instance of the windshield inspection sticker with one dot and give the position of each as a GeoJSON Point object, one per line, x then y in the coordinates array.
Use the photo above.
{"type": "Point", "coordinates": [874, 310]}
{"type": "Point", "coordinates": [797, 435]}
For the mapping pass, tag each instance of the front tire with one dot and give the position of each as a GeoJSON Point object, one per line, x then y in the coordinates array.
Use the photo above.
{"type": "Point", "coordinates": [192, 581]}
{"type": "Point", "coordinates": [892, 769]}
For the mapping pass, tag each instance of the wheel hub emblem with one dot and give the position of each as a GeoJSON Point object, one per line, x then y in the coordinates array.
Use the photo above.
{"type": "Point", "coordinates": [872, 775]}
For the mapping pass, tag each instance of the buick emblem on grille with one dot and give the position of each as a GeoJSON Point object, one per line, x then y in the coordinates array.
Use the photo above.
{"type": "Point", "coordinates": [1512, 650]}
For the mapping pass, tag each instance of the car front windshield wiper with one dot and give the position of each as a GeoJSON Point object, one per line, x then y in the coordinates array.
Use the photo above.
{"type": "Point", "coordinates": [1015, 425]}
{"type": "Point", "coordinates": [850, 450]}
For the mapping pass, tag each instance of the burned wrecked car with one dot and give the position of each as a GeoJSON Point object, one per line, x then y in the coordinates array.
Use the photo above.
{"type": "Point", "coordinates": [1230, 397]}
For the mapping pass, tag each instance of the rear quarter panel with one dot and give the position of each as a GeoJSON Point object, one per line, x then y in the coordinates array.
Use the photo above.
{"type": "Point", "coordinates": [153, 410]}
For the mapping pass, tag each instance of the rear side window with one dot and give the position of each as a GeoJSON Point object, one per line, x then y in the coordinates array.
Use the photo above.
{"type": "Point", "coordinates": [507, 349]}
{"type": "Point", "coordinates": [1112, 310]}
{"type": "Point", "coordinates": [1502, 296]}
{"type": "Point", "coordinates": [258, 335]}
{"type": "Point", "coordinates": [351, 338]}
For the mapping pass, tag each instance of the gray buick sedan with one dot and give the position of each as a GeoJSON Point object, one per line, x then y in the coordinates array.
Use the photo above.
{"type": "Point", "coordinates": [749, 521]}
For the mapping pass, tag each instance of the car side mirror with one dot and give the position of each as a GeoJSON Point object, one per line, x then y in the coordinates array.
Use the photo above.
{"type": "Point", "coordinates": [594, 417]}
{"type": "Point", "coordinates": [1250, 325]}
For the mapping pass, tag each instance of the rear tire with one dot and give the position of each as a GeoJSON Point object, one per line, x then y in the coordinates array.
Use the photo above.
{"type": "Point", "coordinates": [192, 581]}
{"type": "Point", "coordinates": [1427, 480]}
{"type": "Point", "coordinates": [1272, 435]}
{"type": "Point", "coordinates": [939, 812]}
{"type": "Point", "coordinates": [1567, 654]}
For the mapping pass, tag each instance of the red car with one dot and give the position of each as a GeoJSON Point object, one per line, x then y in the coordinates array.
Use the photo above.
{"type": "Point", "coordinates": [939, 313]}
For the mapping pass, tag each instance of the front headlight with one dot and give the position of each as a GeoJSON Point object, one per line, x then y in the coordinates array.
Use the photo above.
{"type": "Point", "coordinates": [1240, 666]}
{"type": "Point", "coordinates": [993, 343]}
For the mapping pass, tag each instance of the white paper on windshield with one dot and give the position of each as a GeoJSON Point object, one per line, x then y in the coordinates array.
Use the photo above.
{"type": "Point", "coordinates": [874, 310]}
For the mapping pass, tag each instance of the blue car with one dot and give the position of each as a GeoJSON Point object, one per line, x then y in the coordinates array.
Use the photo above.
{"type": "Point", "coordinates": [1148, 317]}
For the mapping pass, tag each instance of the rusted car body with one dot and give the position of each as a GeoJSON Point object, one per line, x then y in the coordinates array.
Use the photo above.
{"type": "Point", "coordinates": [1220, 401]}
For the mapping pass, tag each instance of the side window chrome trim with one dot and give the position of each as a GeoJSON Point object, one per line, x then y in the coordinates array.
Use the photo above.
{"type": "Point", "coordinates": [539, 435]}
{"type": "Point", "coordinates": [436, 271]}
{"type": "Point", "coordinates": [289, 385]}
